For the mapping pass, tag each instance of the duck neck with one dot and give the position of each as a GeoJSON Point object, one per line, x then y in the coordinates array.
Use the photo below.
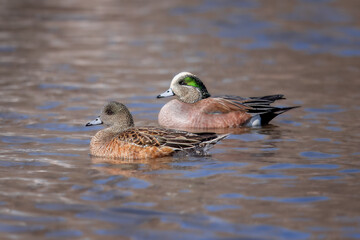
{"type": "Point", "coordinates": [109, 133]}
{"type": "Point", "coordinates": [116, 129]}
{"type": "Point", "coordinates": [192, 94]}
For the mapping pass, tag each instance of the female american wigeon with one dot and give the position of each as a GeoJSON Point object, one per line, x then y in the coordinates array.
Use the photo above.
{"type": "Point", "coordinates": [195, 108]}
{"type": "Point", "coordinates": [122, 140]}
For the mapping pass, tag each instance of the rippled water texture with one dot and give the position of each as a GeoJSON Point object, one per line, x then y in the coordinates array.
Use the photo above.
{"type": "Point", "coordinates": [298, 178]}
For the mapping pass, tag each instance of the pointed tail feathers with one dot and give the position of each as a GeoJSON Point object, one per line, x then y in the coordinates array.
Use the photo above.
{"type": "Point", "coordinates": [268, 116]}
{"type": "Point", "coordinates": [273, 98]}
{"type": "Point", "coordinates": [207, 145]}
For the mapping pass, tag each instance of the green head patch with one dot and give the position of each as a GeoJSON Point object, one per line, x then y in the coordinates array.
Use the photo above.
{"type": "Point", "coordinates": [195, 82]}
{"type": "Point", "coordinates": [190, 81]}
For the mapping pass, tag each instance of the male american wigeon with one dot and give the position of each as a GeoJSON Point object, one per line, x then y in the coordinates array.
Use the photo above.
{"type": "Point", "coordinates": [122, 140]}
{"type": "Point", "coordinates": [195, 108]}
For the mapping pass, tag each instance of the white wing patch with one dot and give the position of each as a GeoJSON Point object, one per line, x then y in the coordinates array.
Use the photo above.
{"type": "Point", "coordinates": [255, 121]}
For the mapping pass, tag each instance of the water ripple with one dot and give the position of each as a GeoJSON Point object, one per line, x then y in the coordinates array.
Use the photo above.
{"type": "Point", "coordinates": [107, 180]}
{"type": "Point", "coordinates": [297, 166]}
{"type": "Point", "coordinates": [62, 207]}
{"type": "Point", "coordinates": [133, 183]}
{"type": "Point", "coordinates": [100, 196]}
{"type": "Point", "coordinates": [61, 127]}
{"type": "Point", "coordinates": [25, 139]}
{"type": "Point", "coordinates": [318, 155]}
{"type": "Point", "coordinates": [26, 218]}
{"type": "Point", "coordinates": [21, 163]}
{"type": "Point", "coordinates": [122, 218]}
{"type": "Point", "coordinates": [267, 176]}
{"type": "Point", "coordinates": [7, 48]}
{"type": "Point", "coordinates": [7, 228]}
{"type": "Point", "coordinates": [324, 110]}
{"type": "Point", "coordinates": [13, 115]}
{"type": "Point", "coordinates": [350, 171]}
{"type": "Point", "coordinates": [215, 208]}
{"type": "Point", "coordinates": [49, 105]}
{"type": "Point", "coordinates": [261, 215]}
{"type": "Point", "coordinates": [325, 178]}
{"type": "Point", "coordinates": [334, 129]}
{"type": "Point", "coordinates": [53, 154]}
{"type": "Point", "coordinates": [205, 173]}
{"type": "Point", "coordinates": [57, 86]}
{"type": "Point", "coordinates": [68, 233]}
{"type": "Point", "coordinates": [306, 199]}
{"type": "Point", "coordinates": [248, 137]}
{"type": "Point", "coordinates": [139, 204]}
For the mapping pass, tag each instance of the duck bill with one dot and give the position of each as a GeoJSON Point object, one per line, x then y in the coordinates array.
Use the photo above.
{"type": "Point", "coordinates": [167, 93]}
{"type": "Point", "coordinates": [97, 121]}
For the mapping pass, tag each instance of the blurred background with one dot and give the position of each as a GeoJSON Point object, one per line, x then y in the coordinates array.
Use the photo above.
{"type": "Point", "coordinates": [61, 61]}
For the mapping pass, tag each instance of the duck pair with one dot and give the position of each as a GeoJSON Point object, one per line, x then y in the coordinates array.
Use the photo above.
{"type": "Point", "coordinates": [192, 108]}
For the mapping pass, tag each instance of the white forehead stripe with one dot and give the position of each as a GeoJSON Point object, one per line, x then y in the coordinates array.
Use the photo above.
{"type": "Point", "coordinates": [180, 75]}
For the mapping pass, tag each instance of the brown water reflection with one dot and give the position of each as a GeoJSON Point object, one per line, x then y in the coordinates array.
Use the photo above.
{"type": "Point", "coordinates": [60, 61]}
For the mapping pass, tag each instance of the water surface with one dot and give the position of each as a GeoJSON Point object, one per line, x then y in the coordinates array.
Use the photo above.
{"type": "Point", "coordinates": [298, 178]}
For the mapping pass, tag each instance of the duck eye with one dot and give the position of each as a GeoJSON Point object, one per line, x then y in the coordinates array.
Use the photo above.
{"type": "Point", "coordinates": [109, 111]}
{"type": "Point", "coordinates": [182, 82]}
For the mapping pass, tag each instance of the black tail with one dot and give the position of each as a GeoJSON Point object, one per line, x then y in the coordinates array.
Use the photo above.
{"type": "Point", "coordinates": [260, 106]}
{"type": "Point", "coordinates": [273, 98]}
{"type": "Point", "coordinates": [268, 116]}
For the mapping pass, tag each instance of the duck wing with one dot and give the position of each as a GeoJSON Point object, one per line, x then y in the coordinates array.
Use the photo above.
{"type": "Point", "coordinates": [254, 105]}
{"type": "Point", "coordinates": [161, 137]}
{"type": "Point", "coordinates": [139, 137]}
{"type": "Point", "coordinates": [257, 105]}
{"type": "Point", "coordinates": [220, 105]}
